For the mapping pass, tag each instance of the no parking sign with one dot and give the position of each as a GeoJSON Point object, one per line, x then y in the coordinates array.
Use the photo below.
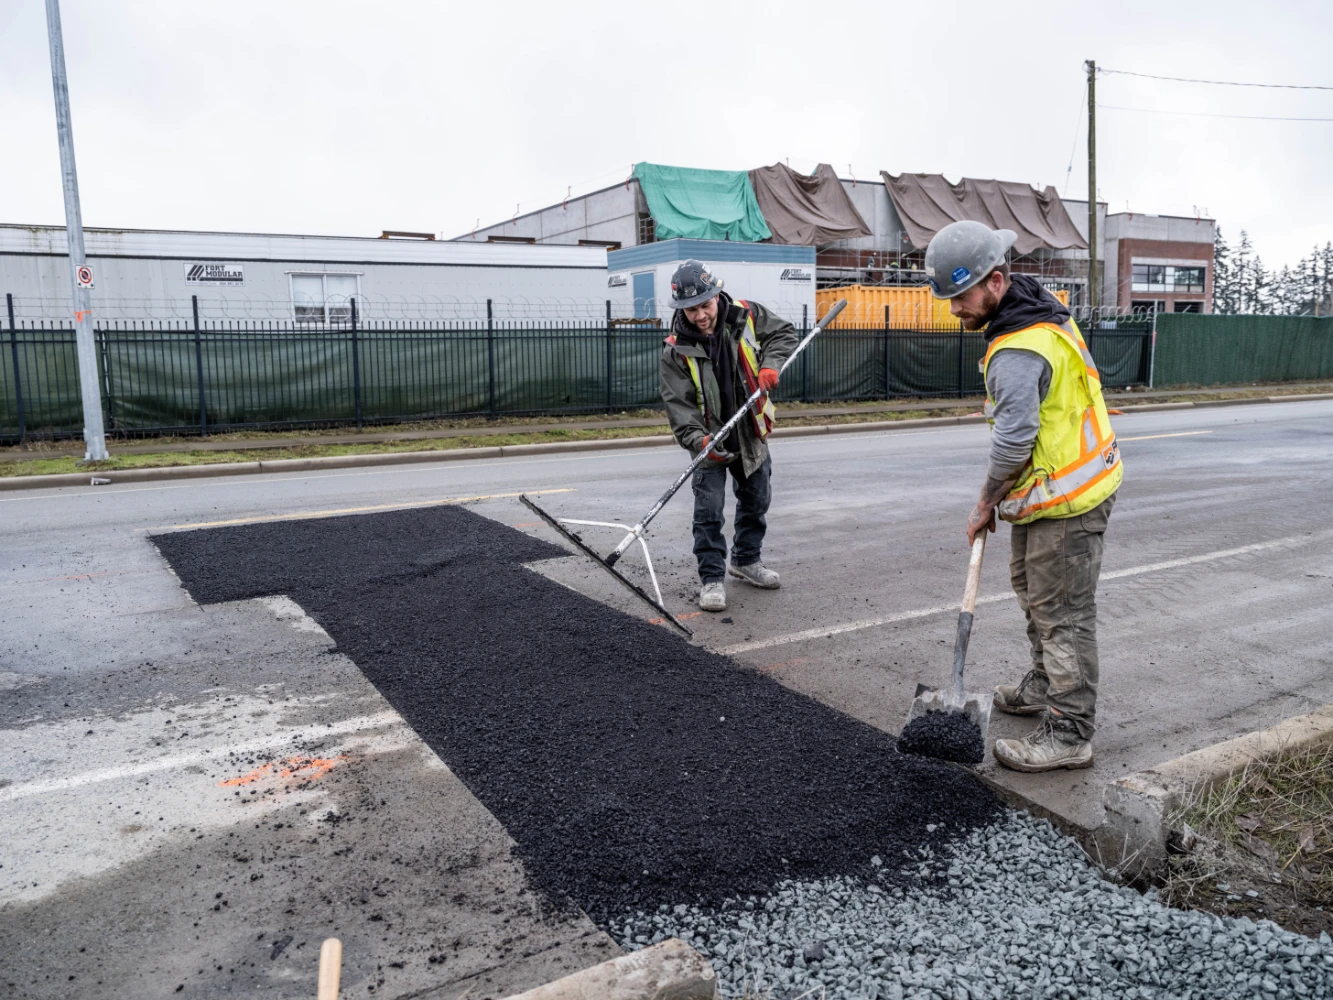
{"type": "Point", "coordinates": [83, 276]}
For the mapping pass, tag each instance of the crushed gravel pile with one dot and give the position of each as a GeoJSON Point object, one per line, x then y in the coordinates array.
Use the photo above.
{"type": "Point", "coordinates": [631, 768]}
{"type": "Point", "coordinates": [944, 736]}
{"type": "Point", "coordinates": [1011, 910]}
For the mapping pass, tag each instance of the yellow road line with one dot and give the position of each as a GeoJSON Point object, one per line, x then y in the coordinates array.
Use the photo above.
{"type": "Point", "coordinates": [1154, 437]}
{"type": "Point", "coordinates": [305, 514]}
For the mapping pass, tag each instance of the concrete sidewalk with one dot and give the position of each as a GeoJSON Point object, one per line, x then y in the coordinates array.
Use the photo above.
{"type": "Point", "coordinates": [57, 449]}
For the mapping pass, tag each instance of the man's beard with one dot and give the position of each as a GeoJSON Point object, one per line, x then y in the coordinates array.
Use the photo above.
{"type": "Point", "coordinates": [992, 306]}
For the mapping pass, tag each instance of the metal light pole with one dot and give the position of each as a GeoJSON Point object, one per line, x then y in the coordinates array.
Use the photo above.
{"type": "Point", "coordinates": [94, 436]}
{"type": "Point", "coordinates": [1093, 290]}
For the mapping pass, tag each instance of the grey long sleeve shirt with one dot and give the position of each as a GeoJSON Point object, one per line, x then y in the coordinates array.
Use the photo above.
{"type": "Point", "coordinates": [1017, 381]}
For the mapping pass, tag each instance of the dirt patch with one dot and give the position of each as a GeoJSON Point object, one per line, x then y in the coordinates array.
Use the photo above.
{"type": "Point", "coordinates": [1261, 844]}
{"type": "Point", "coordinates": [632, 768]}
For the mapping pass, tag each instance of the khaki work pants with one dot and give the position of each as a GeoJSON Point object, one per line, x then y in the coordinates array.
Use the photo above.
{"type": "Point", "coordinates": [1054, 569]}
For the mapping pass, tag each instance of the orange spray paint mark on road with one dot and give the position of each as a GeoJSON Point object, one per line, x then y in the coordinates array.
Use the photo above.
{"type": "Point", "coordinates": [770, 667]}
{"type": "Point", "coordinates": [679, 618]}
{"type": "Point", "coordinates": [306, 768]}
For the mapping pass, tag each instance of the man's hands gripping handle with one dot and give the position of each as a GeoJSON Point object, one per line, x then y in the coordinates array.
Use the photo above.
{"type": "Point", "coordinates": [719, 455]}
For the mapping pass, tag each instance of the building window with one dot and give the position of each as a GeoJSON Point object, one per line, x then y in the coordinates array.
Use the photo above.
{"type": "Point", "coordinates": [647, 229]}
{"type": "Point", "coordinates": [324, 298]}
{"type": "Point", "coordinates": [1188, 307]}
{"type": "Point", "coordinates": [1147, 305]}
{"type": "Point", "coordinates": [645, 295]}
{"type": "Point", "coordinates": [1168, 278]}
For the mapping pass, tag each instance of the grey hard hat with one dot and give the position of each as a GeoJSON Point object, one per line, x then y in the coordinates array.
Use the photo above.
{"type": "Point", "coordinates": [693, 284]}
{"type": "Point", "coordinates": [962, 253]}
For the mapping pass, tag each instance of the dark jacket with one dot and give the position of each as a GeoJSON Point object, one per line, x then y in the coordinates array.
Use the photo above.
{"type": "Point", "coordinates": [777, 339]}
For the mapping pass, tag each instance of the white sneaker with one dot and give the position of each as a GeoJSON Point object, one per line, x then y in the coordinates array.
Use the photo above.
{"type": "Point", "coordinates": [713, 596]}
{"type": "Point", "coordinates": [758, 575]}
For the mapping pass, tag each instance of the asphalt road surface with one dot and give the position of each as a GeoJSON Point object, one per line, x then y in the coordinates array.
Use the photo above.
{"type": "Point", "coordinates": [194, 796]}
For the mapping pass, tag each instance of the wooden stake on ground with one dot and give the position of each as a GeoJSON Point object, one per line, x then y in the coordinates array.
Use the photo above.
{"type": "Point", "coordinates": [330, 968]}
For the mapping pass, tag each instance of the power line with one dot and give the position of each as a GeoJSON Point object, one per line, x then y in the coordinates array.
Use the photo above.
{"type": "Point", "coordinates": [1219, 83]}
{"type": "Point", "coordinates": [1205, 114]}
{"type": "Point", "coordinates": [1069, 171]}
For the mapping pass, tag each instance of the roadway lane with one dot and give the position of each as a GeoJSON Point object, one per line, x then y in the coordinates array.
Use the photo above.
{"type": "Point", "coordinates": [1199, 643]}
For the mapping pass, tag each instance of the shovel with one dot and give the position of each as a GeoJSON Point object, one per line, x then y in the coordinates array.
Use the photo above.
{"type": "Point", "coordinates": [973, 706]}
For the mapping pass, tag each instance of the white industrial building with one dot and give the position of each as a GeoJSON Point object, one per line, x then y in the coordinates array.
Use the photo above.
{"type": "Point", "coordinates": [781, 277]}
{"type": "Point", "coordinates": [155, 274]}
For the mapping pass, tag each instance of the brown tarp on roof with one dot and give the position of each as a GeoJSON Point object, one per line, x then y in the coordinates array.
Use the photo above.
{"type": "Point", "coordinates": [806, 210]}
{"type": "Point", "coordinates": [927, 203]}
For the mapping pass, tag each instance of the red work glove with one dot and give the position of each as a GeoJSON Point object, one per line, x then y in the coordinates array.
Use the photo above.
{"type": "Point", "coordinates": [722, 456]}
{"type": "Point", "coordinates": [768, 379]}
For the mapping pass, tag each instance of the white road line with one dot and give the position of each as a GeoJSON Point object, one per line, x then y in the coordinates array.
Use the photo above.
{"type": "Point", "coordinates": [1154, 437]}
{"type": "Point", "coordinates": [249, 478]}
{"type": "Point", "coordinates": [902, 616]}
{"type": "Point", "coordinates": [276, 742]}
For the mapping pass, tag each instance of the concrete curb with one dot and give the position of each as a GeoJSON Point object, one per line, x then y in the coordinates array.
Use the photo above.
{"type": "Point", "coordinates": [671, 970]}
{"type": "Point", "coordinates": [1141, 809]}
{"type": "Point", "coordinates": [8, 483]}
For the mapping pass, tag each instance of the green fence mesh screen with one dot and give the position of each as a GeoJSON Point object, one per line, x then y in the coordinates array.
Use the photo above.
{"type": "Point", "coordinates": [1195, 349]}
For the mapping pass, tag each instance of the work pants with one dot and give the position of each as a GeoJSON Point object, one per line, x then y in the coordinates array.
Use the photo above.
{"type": "Point", "coordinates": [1054, 569]}
{"type": "Point", "coordinates": [753, 494]}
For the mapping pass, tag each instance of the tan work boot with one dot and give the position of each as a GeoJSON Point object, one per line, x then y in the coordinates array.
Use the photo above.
{"type": "Point", "coordinates": [1055, 744]}
{"type": "Point", "coordinates": [713, 596]}
{"type": "Point", "coordinates": [1027, 697]}
{"type": "Point", "coordinates": [758, 575]}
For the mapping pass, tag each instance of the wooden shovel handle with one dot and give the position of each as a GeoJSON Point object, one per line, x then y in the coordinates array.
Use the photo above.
{"type": "Point", "coordinates": [330, 969]}
{"type": "Point", "coordinates": [974, 574]}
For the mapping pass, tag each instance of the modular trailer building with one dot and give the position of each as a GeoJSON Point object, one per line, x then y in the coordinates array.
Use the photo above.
{"type": "Point", "coordinates": [154, 274]}
{"type": "Point", "coordinates": [780, 277]}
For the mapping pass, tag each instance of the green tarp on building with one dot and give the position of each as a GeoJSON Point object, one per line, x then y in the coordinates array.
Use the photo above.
{"type": "Point", "coordinates": [701, 204]}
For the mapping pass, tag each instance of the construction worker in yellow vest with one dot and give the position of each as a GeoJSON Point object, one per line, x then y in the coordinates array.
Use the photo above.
{"type": "Point", "coordinates": [720, 350]}
{"type": "Point", "coordinates": [1053, 471]}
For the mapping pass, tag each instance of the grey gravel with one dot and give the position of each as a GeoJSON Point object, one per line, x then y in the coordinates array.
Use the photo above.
{"type": "Point", "coordinates": [1010, 910]}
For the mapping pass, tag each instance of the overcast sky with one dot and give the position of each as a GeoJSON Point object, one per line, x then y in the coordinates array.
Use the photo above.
{"type": "Point", "coordinates": [350, 118]}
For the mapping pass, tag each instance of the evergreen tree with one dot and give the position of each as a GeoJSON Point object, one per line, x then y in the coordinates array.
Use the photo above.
{"type": "Point", "coordinates": [1224, 282]}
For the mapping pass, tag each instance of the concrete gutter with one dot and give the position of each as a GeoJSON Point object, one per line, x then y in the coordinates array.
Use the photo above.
{"type": "Point", "coordinates": [668, 971]}
{"type": "Point", "coordinates": [552, 448]}
{"type": "Point", "coordinates": [1142, 810]}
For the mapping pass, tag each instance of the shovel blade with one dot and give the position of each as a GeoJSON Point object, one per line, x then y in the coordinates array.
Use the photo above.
{"type": "Point", "coordinates": [976, 706]}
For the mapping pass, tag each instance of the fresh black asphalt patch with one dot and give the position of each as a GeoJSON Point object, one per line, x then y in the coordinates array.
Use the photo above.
{"type": "Point", "coordinates": [631, 768]}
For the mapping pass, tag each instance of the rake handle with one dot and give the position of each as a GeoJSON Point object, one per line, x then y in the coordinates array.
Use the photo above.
{"type": "Point", "coordinates": [720, 436]}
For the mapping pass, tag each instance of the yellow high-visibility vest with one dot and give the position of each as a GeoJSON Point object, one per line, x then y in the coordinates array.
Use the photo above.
{"type": "Point", "coordinates": [1075, 462]}
{"type": "Point", "coordinates": [765, 416]}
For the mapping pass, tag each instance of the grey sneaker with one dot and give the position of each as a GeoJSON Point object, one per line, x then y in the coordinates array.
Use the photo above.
{"type": "Point", "coordinates": [1027, 697]}
{"type": "Point", "coordinates": [713, 596]}
{"type": "Point", "coordinates": [1055, 744]}
{"type": "Point", "coordinates": [758, 575]}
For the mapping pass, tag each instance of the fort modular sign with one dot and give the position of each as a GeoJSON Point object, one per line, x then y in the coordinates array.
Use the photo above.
{"type": "Point", "coordinates": [203, 273]}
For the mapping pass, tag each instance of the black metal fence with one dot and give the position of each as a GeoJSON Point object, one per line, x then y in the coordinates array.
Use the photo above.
{"type": "Point", "coordinates": [196, 377]}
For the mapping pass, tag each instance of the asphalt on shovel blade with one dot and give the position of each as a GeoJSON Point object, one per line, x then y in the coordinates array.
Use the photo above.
{"type": "Point", "coordinates": [936, 728]}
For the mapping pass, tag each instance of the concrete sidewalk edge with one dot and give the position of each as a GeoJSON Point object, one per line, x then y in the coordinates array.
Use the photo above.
{"type": "Point", "coordinates": [1142, 820]}
{"type": "Point", "coordinates": [671, 970]}
{"type": "Point", "coordinates": [169, 472]}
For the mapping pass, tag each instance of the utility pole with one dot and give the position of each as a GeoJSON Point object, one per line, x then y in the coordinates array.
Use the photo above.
{"type": "Point", "coordinates": [94, 436]}
{"type": "Point", "coordinates": [1093, 297]}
